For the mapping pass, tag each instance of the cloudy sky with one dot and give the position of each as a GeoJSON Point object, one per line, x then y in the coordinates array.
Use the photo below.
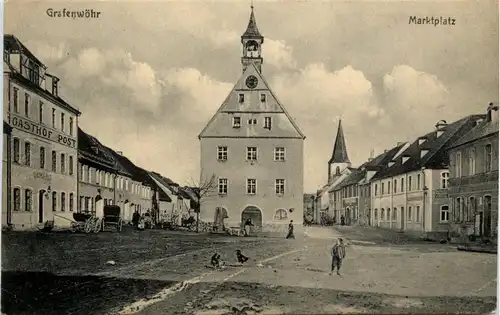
{"type": "Point", "coordinates": [148, 76]}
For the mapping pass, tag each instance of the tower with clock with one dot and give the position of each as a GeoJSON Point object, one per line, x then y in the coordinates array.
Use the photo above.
{"type": "Point", "coordinates": [252, 153]}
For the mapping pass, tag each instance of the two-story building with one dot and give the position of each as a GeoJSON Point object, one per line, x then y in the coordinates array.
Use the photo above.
{"type": "Point", "coordinates": [411, 190]}
{"type": "Point", "coordinates": [44, 140]}
{"type": "Point", "coordinates": [99, 175]}
{"type": "Point", "coordinates": [253, 150]}
{"type": "Point", "coordinates": [473, 183]}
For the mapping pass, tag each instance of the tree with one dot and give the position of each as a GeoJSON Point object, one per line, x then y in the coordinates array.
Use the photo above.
{"type": "Point", "coordinates": [205, 188]}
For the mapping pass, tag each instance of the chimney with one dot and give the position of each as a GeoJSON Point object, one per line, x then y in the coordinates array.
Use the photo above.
{"type": "Point", "coordinates": [492, 115]}
{"type": "Point", "coordinates": [441, 127]}
{"type": "Point", "coordinates": [55, 85]}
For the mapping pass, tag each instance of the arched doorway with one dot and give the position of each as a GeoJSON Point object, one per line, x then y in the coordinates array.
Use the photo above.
{"type": "Point", "coordinates": [41, 194]}
{"type": "Point", "coordinates": [220, 215]}
{"type": "Point", "coordinates": [255, 215]}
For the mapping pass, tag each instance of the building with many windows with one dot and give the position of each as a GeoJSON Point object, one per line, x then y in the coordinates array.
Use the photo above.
{"type": "Point", "coordinates": [410, 192]}
{"type": "Point", "coordinates": [44, 140]}
{"type": "Point", "coordinates": [99, 173]}
{"type": "Point", "coordinates": [253, 151]}
{"type": "Point", "coordinates": [473, 181]}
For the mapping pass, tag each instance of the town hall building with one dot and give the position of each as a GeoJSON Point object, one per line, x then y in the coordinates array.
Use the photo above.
{"type": "Point", "coordinates": [253, 152]}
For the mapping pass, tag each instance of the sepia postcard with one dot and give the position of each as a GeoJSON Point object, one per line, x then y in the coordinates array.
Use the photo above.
{"type": "Point", "coordinates": [250, 157]}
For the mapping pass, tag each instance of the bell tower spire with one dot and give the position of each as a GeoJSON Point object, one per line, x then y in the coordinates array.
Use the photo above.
{"type": "Point", "coordinates": [252, 42]}
{"type": "Point", "coordinates": [339, 160]}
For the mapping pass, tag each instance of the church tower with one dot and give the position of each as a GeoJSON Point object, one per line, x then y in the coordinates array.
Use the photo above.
{"type": "Point", "coordinates": [252, 42]}
{"type": "Point", "coordinates": [253, 150]}
{"type": "Point", "coordinates": [339, 160]}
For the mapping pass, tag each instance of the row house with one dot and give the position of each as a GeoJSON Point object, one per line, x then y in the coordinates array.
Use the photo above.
{"type": "Point", "coordinates": [354, 192]}
{"type": "Point", "coordinates": [179, 205]}
{"type": "Point", "coordinates": [473, 181]}
{"type": "Point", "coordinates": [134, 194]}
{"type": "Point", "coordinates": [410, 192]}
{"type": "Point", "coordinates": [44, 149]}
{"type": "Point", "coordinates": [99, 175]}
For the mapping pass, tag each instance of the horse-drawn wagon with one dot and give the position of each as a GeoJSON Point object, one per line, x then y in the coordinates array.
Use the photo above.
{"type": "Point", "coordinates": [85, 222]}
{"type": "Point", "coordinates": [112, 217]}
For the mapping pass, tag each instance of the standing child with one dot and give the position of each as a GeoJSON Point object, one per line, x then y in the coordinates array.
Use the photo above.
{"type": "Point", "coordinates": [338, 253]}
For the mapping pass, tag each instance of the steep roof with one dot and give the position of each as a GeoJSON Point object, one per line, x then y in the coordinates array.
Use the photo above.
{"type": "Point", "coordinates": [221, 124]}
{"type": "Point", "coordinates": [252, 31]}
{"type": "Point", "coordinates": [339, 154]}
{"type": "Point", "coordinates": [353, 178]}
{"type": "Point", "coordinates": [482, 130]}
{"type": "Point", "coordinates": [13, 44]}
{"type": "Point", "coordinates": [436, 148]}
{"type": "Point", "coordinates": [93, 151]}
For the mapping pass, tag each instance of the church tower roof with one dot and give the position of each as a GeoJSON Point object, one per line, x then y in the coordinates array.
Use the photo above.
{"type": "Point", "coordinates": [252, 31]}
{"type": "Point", "coordinates": [339, 154]}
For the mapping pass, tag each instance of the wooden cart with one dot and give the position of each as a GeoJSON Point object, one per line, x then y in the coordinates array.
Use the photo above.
{"type": "Point", "coordinates": [112, 217]}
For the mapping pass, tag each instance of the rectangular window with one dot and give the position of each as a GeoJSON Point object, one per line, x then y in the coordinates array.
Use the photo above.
{"type": "Point", "coordinates": [63, 163]}
{"type": "Point", "coordinates": [389, 187]}
{"type": "Point", "coordinates": [382, 188]}
{"type": "Point", "coordinates": [62, 121]}
{"type": "Point", "coordinates": [54, 201]}
{"type": "Point", "coordinates": [472, 162]}
{"type": "Point", "coordinates": [222, 186]}
{"type": "Point", "coordinates": [409, 214]}
{"type": "Point", "coordinates": [280, 186]}
{"type": "Point", "coordinates": [241, 98]}
{"type": "Point", "coordinates": [40, 112]}
{"type": "Point", "coordinates": [28, 201]}
{"type": "Point", "coordinates": [395, 186]}
{"type": "Point", "coordinates": [487, 158]}
{"type": "Point", "coordinates": [252, 153]}
{"type": "Point", "coordinates": [17, 199]}
{"type": "Point", "coordinates": [42, 157]}
{"type": "Point", "coordinates": [27, 153]}
{"type": "Point", "coordinates": [16, 100]}
{"type": "Point", "coordinates": [27, 102]}
{"type": "Point", "coordinates": [251, 186]}
{"type": "Point", "coordinates": [375, 190]}
{"type": "Point", "coordinates": [71, 126]}
{"type": "Point", "coordinates": [267, 123]}
{"type": "Point", "coordinates": [409, 183]}
{"type": "Point", "coordinates": [262, 98]}
{"type": "Point", "coordinates": [418, 181]}
{"type": "Point", "coordinates": [53, 117]}
{"type": "Point", "coordinates": [458, 165]}
{"type": "Point", "coordinates": [252, 121]}
{"type": "Point", "coordinates": [402, 184]}
{"type": "Point", "coordinates": [63, 201]}
{"type": "Point", "coordinates": [71, 202]}
{"type": "Point", "coordinates": [444, 214]}
{"type": "Point", "coordinates": [70, 166]}
{"type": "Point", "coordinates": [236, 122]}
{"type": "Point", "coordinates": [444, 180]}
{"type": "Point", "coordinates": [16, 148]}
{"type": "Point", "coordinates": [222, 153]}
{"type": "Point", "coordinates": [417, 219]}
{"type": "Point", "coordinates": [54, 161]}
{"type": "Point", "coordinates": [279, 154]}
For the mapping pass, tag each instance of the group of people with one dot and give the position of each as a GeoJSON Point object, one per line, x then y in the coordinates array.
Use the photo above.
{"type": "Point", "coordinates": [248, 224]}
{"type": "Point", "coordinates": [217, 263]}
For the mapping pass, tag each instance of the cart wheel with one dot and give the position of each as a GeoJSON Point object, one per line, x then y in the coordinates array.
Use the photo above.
{"type": "Point", "coordinates": [97, 225]}
{"type": "Point", "coordinates": [88, 226]}
{"type": "Point", "coordinates": [74, 227]}
{"type": "Point", "coordinates": [119, 226]}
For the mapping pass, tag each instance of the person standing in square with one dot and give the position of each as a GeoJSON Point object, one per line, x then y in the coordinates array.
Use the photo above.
{"type": "Point", "coordinates": [338, 254]}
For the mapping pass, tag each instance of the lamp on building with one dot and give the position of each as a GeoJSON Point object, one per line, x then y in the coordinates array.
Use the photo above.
{"type": "Point", "coordinates": [47, 193]}
{"type": "Point", "coordinates": [291, 210]}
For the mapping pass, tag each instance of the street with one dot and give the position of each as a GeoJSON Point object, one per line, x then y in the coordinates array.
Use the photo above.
{"type": "Point", "coordinates": [162, 272]}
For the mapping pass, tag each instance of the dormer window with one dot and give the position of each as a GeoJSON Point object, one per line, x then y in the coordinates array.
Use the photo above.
{"type": "Point", "coordinates": [421, 141]}
{"type": "Point", "coordinates": [267, 123]}
{"type": "Point", "coordinates": [252, 121]}
{"type": "Point", "coordinates": [241, 98]}
{"type": "Point", "coordinates": [423, 153]}
{"type": "Point", "coordinates": [405, 158]}
{"type": "Point", "coordinates": [236, 122]}
{"type": "Point", "coordinates": [391, 163]}
{"type": "Point", "coordinates": [263, 98]}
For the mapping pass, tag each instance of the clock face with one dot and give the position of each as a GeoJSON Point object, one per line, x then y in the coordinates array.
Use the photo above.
{"type": "Point", "coordinates": [252, 82]}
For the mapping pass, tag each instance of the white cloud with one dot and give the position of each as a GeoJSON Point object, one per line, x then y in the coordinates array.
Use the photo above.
{"type": "Point", "coordinates": [278, 53]}
{"type": "Point", "coordinates": [47, 52]}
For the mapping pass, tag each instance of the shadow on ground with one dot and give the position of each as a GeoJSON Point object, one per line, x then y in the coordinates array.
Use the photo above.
{"type": "Point", "coordinates": [232, 298]}
{"type": "Point", "coordinates": [47, 293]}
